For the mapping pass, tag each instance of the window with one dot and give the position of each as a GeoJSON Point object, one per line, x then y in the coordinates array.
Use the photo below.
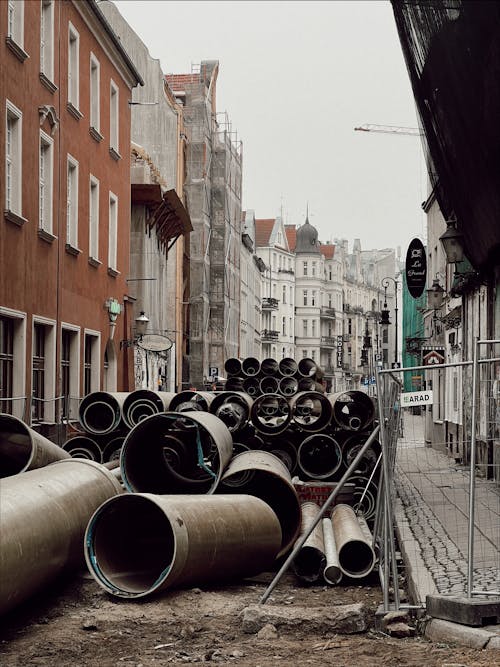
{"type": "Point", "coordinates": [313, 328]}
{"type": "Point", "coordinates": [313, 298]}
{"type": "Point", "coordinates": [13, 160]}
{"type": "Point", "coordinates": [284, 293]}
{"type": "Point", "coordinates": [304, 328]}
{"type": "Point", "coordinates": [330, 273]}
{"type": "Point", "coordinates": [47, 39]}
{"type": "Point", "coordinates": [290, 329]}
{"type": "Point", "coordinates": [305, 297]}
{"type": "Point", "coordinates": [72, 204]}
{"type": "Point", "coordinates": [283, 326]}
{"type": "Point", "coordinates": [38, 372]}
{"type": "Point", "coordinates": [291, 295]}
{"type": "Point", "coordinates": [91, 363]}
{"type": "Point", "coordinates": [94, 219]}
{"type": "Point", "coordinates": [349, 326]}
{"type": "Point", "coordinates": [304, 268]}
{"type": "Point", "coordinates": [313, 355]}
{"type": "Point", "coordinates": [73, 67]}
{"type": "Point", "coordinates": [69, 372]}
{"type": "Point", "coordinates": [304, 354]}
{"type": "Point", "coordinates": [113, 231]}
{"type": "Point", "coordinates": [45, 183]}
{"type": "Point", "coordinates": [95, 99]}
{"type": "Point", "coordinates": [15, 21]}
{"type": "Point", "coordinates": [113, 118]}
{"type": "Point", "coordinates": [313, 269]}
{"type": "Point", "coordinates": [6, 364]}
{"type": "Point", "coordinates": [43, 371]}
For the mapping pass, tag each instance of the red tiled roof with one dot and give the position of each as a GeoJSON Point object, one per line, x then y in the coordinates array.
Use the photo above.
{"type": "Point", "coordinates": [291, 235]}
{"type": "Point", "coordinates": [327, 250]}
{"type": "Point", "coordinates": [263, 229]}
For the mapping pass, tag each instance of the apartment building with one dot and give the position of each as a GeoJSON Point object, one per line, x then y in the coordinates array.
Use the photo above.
{"type": "Point", "coordinates": [65, 185]}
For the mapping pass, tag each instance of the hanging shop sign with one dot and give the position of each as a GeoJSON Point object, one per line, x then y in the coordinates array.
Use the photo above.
{"type": "Point", "coordinates": [416, 268]}
{"type": "Point", "coordinates": [155, 343]}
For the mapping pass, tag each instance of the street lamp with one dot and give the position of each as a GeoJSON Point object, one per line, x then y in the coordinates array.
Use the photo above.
{"type": "Point", "coordinates": [141, 325]}
{"type": "Point", "coordinates": [385, 284]}
{"type": "Point", "coordinates": [453, 242]}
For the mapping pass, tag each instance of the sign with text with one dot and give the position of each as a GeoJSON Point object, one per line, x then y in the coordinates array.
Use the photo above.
{"type": "Point", "coordinates": [416, 268]}
{"type": "Point", "coordinates": [411, 398]}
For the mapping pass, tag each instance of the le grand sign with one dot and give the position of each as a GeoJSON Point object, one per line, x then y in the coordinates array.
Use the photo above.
{"type": "Point", "coordinates": [416, 268]}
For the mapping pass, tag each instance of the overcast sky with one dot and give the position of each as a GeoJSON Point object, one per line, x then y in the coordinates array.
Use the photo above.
{"type": "Point", "coordinates": [295, 78]}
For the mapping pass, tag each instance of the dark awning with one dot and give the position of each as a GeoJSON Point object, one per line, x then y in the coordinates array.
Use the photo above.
{"type": "Point", "coordinates": [169, 219]}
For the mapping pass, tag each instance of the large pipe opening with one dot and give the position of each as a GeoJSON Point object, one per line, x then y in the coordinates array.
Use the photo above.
{"type": "Point", "coordinates": [319, 456]}
{"type": "Point", "coordinates": [101, 412]}
{"type": "Point", "coordinates": [270, 413]}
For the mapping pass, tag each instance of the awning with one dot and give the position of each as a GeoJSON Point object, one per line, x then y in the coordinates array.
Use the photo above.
{"type": "Point", "coordinates": [169, 219]}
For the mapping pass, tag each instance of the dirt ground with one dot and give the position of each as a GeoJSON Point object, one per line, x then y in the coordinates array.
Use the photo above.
{"type": "Point", "coordinates": [77, 623]}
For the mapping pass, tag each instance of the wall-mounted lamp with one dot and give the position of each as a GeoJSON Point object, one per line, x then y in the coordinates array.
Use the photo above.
{"type": "Point", "coordinates": [453, 242]}
{"type": "Point", "coordinates": [141, 325]}
{"type": "Point", "coordinates": [435, 295]}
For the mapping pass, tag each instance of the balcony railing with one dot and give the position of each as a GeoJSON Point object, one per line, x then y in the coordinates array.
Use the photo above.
{"type": "Point", "coordinates": [286, 271]}
{"type": "Point", "coordinates": [328, 341]}
{"type": "Point", "coordinates": [269, 335]}
{"type": "Point", "coordinates": [269, 303]}
{"type": "Point", "coordinates": [327, 312]}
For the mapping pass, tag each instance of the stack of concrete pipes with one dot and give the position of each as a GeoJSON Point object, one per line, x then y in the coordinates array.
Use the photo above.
{"type": "Point", "coordinates": [286, 377]}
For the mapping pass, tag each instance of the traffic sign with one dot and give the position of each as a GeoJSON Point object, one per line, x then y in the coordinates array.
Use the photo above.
{"type": "Point", "coordinates": [395, 364]}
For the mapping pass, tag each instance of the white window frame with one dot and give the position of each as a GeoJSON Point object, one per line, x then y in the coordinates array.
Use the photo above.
{"type": "Point", "coordinates": [94, 219]}
{"type": "Point", "coordinates": [19, 360]}
{"type": "Point", "coordinates": [74, 368]}
{"type": "Point", "coordinates": [46, 183]}
{"type": "Point", "coordinates": [95, 93]}
{"type": "Point", "coordinates": [49, 405]}
{"type": "Point", "coordinates": [113, 232]}
{"type": "Point", "coordinates": [114, 117]}
{"type": "Point", "coordinates": [13, 158]}
{"type": "Point", "coordinates": [73, 66]}
{"type": "Point", "coordinates": [15, 21]}
{"type": "Point", "coordinates": [95, 367]}
{"type": "Point", "coordinates": [72, 202]}
{"type": "Point", "coordinates": [47, 39]}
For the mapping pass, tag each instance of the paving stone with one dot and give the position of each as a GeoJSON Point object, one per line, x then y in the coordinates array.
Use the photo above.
{"type": "Point", "coordinates": [342, 619]}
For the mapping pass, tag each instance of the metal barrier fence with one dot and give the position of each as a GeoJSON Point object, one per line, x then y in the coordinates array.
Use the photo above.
{"type": "Point", "coordinates": [441, 457]}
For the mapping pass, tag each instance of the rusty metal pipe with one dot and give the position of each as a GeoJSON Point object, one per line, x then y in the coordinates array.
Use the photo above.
{"type": "Point", "coordinates": [332, 572]}
{"type": "Point", "coordinates": [138, 544]}
{"type": "Point", "coordinates": [356, 554]}
{"type": "Point", "coordinates": [83, 447]}
{"type": "Point", "coordinates": [269, 367]}
{"type": "Point", "coordinates": [233, 408]}
{"type": "Point", "coordinates": [319, 456]}
{"type": "Point", "coordinates": [270, 414]}
{"type": "Point", "coordinates": [269, 385]}
{"type": "Point", "coordinates": [22, 448]}
{"type": "Point", "coordinates": [232, 366]}
{"type": "Point", "coordinates": [311, 411]}
{"type": "Point", "coordinates": [250, 366]}
{"type": "Point", "coordinates": [101, 412]}
{"type": "Point", "coordinates": [43, 518]}
{"type": "Point", "coordinates": [175, 452]}
{"type": "Point", "coordinates": [352, 410]}
{"type": "Point", "coordinates": [307, 368]}
{"type": "Point", "coordinates": [310, 561]}
{"type": "Point", "coordinates": [288, 367]}
{"type": "Point", "coordinates": [270, 481]}
{"type": "Point", "coordinates": [143, 403]}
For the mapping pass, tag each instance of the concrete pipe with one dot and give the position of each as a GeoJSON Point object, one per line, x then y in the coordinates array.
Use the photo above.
{"type": "Point", "coordinates": [234, 383]}
{"type": "Point", "coordinates": [311, 411]}
{"type": "Point", "coordinates": [269, 367]}
{"type": "Point", "coordinates": [143, 403]}
{"type": "Point", "coordinates": [310, 561]}
{"type": "Point", "coordinates": [232, 366]}
{"type": "Point", "coordinates": [307, 368]}
{"type": "Point", "coordinates": [352, 410]}
{"type": "Point", "coordinates": [251, 386]}
{"type": "Point", "coordinates": [319, 456]}
{"type": "Point", "coordinates": [188, 400]}
{"type": "Point", "coordinates": [350, 448]}
{"type": "Point", "coordinates": [308, 384]}
{"type": "Point", "coordinates": [233, 408]}
{"type": "Point", "coordinates": [269, 385]}
{"type": "Point", "coordinates": [139, 544]}
{"type": "Point", "coordinates": [364, 495]}
{"type": "Point", "coordinates": [288, 367]}
{"type": "Point", "coordinates": [363, 524]}
{"type": "Point", "coordinates": [284, 449]}
{"type": "Point", "coordinates": [22, 448]}
{"type": "Point", "coordinates": [42, 523]}
{"type": "Point", "coordinates": [270, 414]}
{"type": "Point", "coordinates": [250, 366]}
{"type": "Point", "coordinates": [270, 481]}
{"type": "Point", "coordinates": [249, 437]}
{"type": "Point", "coordinates": [101, 412]}
{"type": "Point", "coordinates": [112, 449]}
{"type": "Point", "coordinates": [332, 573]}
{"type": "Point", "coordinates": [176, 453]}
{"type": "Point", "coordinates": [83, 447]}
{"type": "Point", "coordinates": [356, 554]}
{"type": "Point", "coordinates": [288, 386]}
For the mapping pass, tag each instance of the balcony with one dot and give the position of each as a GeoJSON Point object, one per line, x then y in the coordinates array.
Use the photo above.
{"type": "Point", "coordinates": [328, 341]}
{"type": "Point", "coordinates": [291, 271]}
{"type": "Point", "coordinates": [268, 303]}
{"type": "Point", "coordinates": [269, 335]}
{"type": "Point", "coordinates": [326, 312]}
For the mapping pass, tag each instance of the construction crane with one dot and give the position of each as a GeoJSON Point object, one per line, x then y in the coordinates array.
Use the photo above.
{"type": "Point", "coordinates": [390, 129]}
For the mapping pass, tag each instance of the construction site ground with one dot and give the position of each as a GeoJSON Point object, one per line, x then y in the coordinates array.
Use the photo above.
{"type": "Point", "coordinates": [77, 623]}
